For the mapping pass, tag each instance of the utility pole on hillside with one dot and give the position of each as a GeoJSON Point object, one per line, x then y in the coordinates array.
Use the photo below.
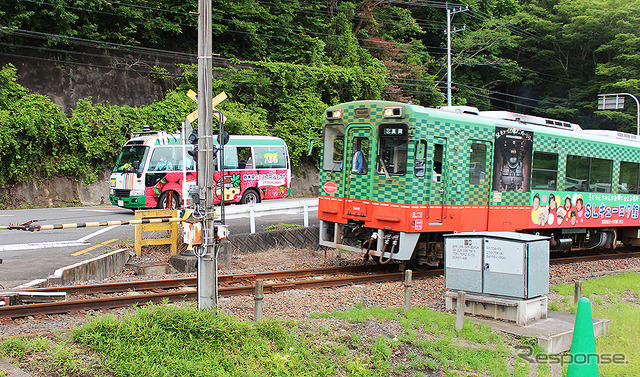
{"type": "Point", "coordinates": [450, 13]}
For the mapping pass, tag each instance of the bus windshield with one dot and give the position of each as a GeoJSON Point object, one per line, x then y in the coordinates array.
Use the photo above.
{"type": "Point", "coordinates": [129, 157]}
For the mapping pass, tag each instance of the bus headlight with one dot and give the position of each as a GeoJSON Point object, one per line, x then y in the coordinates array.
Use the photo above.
{"type": "Point", "coordinates": [136, 193]}
{"type": "Point", "coordinates": [334, 114]}
{"type": "Point", "coordinates": [112, 191]}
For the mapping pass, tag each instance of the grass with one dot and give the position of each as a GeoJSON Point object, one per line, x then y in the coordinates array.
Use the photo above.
{"type": "Point", "coordinates": [165, 340]}
{"type": "Point", "coordinates": [615, 298]}
{"type": "Point", "coordinates": [282, 226]}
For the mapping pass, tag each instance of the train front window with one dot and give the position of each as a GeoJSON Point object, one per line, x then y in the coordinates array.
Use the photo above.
{"type": "Point", "coordinates": [392, 152]}
{"type": "Point", "coordinates": [333, 148]}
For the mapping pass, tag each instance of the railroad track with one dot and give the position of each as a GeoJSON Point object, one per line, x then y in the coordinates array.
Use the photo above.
{"type": "Point", "coordinates": [129, 293]}
{"type": "Point", "coordinates": [184, 288]}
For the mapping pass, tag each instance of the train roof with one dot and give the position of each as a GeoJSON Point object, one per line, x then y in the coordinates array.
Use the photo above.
{"type": "Point", "coordinates": [566, 129]}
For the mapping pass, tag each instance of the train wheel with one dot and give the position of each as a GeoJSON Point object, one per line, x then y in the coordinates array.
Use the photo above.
{"type": "Point", "coordinates": [415, 265]}
{"type": "Point", "coordinates": [169, 200]}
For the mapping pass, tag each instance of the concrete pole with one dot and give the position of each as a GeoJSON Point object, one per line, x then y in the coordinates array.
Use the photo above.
{"type": "Point", "coordinates": [408, 277]}
{"type": "Point", "coordinates": [259, 300]}
{"type": "Point", "coordinates": [448, 56]}
{"type": "Point", "coordinates": [460, 309]}
{"type": "Point", "coordinates": [207, 266]}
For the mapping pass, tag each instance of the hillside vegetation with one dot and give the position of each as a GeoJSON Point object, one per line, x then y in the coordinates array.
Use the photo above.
{"type": "Point", "coordinates": [283, 62]}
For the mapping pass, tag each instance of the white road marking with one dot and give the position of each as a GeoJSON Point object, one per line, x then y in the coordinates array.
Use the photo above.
{"type": "Point", "coordinates": [96, 233]}
{"type": "Point", "coordinates": [42, 245]}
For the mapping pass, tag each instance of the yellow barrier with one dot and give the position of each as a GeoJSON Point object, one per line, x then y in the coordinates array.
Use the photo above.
{"type": "Point", "coordinates": [172, 227]}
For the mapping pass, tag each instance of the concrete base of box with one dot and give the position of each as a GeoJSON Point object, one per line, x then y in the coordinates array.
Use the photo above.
{"type": "Point", "coordinates": [522, 312]}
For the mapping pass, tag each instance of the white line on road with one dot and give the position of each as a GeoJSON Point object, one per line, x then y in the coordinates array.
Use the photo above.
{"type": "Point", "coordinates": [42, 245]}
{"type": "Point", "coordinates": [96, 233]}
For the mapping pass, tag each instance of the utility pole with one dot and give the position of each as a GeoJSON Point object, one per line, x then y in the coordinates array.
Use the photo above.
{"type": "Point", "coordinates": [450, 13]}
{"type": "Point", "coordinates": [207, 262]}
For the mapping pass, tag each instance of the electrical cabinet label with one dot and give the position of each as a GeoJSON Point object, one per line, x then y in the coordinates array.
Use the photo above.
{"type": "Point", "coordinates": [463, 253]}
{"type": "Point", "coordinates": [506, 257]}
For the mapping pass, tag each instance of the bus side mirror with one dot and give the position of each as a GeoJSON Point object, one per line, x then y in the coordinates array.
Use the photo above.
{"type": "Point", "coordinates": [136, 168]}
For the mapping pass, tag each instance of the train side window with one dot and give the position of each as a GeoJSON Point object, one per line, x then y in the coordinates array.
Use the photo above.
{"type": "Point", "coordinates": [588, 174]}
{"type": "Point", "coordinates": [420, 160]}
{"type": "Point", "coordinates": [477, 164]}
{"type": "Point", "coordinates": [628, 183]}
{"type": "Point", "coordinates": [392, 152]}
{"type": "Point", "coordinates": [333, 148]}
{"type": "Point", "coordinates": [544, 173]}
{"type": "Point", "coordinates": [600, 175]}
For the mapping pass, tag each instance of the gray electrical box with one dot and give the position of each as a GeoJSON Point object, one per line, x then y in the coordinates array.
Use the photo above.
{"type": "Point", "coordinates": [497, 263]}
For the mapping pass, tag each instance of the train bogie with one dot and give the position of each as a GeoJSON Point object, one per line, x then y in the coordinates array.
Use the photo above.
{"type": "Point", "coordinates": [396, 177]}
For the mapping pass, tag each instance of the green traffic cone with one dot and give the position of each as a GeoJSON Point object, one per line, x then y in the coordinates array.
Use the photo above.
{"type": "Point", "coordinates": [584, 360]}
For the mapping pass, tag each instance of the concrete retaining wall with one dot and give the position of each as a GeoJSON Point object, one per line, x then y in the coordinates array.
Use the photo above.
{"type": "Point", "coordinates": [300, 238]}
{"type": "Point", "coordinates": [98, 268]}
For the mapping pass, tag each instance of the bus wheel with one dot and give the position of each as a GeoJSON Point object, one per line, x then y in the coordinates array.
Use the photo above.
{"type": "Point", "coordinates": [250, 197]}
{"type": "Point", "coordinates": [169, 200]}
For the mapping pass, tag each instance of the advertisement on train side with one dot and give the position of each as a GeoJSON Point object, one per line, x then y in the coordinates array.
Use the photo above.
{"type": "Point", "coordinates": [571, 209]}
{"type": "Point", "coordinates": [512, 162]}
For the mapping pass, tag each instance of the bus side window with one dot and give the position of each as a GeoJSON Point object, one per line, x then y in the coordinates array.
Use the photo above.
{"type": "Point", "coordinates": [244, 158]}
{"type": "Point", "coordinates": [230, 157]}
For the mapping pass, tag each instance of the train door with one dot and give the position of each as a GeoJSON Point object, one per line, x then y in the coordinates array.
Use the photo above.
{"type": "Point", "coordinates": [358, 160]}
{"type": "Point", "coordinates": [437, 196]}
{"type": "Point", "coordinates": [479, 180]}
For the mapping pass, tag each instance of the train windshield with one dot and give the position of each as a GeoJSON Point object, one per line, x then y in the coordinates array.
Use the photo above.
{"type": "Point", "coordinates": [131, 159]}
{"type": "Point", "coordinates": [392, 153]}
{"type": "Point", "coordinates": [333, 148]}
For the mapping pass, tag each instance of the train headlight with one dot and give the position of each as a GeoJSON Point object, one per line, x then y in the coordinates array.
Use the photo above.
{"type": "Point", "coordinates": [334, 114]}
{"type": "Point", "coordinates": [393, 112]}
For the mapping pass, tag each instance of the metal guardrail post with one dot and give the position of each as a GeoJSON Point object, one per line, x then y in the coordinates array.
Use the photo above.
{"type": "Point", "coordinates": [252, 218]}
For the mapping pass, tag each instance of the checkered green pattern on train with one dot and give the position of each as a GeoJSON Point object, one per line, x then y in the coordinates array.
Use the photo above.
{"type": "Point", "coordinates": [569, 146]}
{"type": "Point", "coordinates": [376, 114]}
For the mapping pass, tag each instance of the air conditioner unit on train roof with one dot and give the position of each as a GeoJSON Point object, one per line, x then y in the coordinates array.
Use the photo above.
{"type": "Point", "coordinates": [530, 119]}
{"type": "Point", "coordinates": [460, 109]}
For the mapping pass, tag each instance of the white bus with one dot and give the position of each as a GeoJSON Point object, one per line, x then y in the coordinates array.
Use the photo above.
{"type": "Point", "coordinates": [155, 170]}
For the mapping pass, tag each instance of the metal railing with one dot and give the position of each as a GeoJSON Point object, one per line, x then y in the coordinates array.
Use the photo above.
{"type": "Point", "coordinates": [275, 207]}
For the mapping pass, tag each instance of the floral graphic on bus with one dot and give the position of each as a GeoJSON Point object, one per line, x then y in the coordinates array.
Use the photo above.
{"type": "Point", "coordinates": [170, 181]}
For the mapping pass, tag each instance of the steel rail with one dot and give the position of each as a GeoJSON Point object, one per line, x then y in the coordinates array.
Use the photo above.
{"type": "Point", "coordinates": [141, 299]}
{"type": "Point", "coordinates": [140, 285]}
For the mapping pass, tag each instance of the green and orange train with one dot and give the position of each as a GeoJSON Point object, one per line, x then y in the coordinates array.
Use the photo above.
{"type": "Point", "coordinates": [395, 177]}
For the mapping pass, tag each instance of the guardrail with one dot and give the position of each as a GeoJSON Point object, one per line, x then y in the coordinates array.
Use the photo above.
{"type": "Point", "coordinates": [274, 207]}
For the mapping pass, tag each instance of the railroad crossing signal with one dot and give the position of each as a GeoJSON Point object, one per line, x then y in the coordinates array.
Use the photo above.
{"type": "Point", "coordinates": [216, 100]}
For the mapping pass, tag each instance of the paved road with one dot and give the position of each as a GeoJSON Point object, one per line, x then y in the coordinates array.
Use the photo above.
{"type": "Point", "coordinates": [27, 256]}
